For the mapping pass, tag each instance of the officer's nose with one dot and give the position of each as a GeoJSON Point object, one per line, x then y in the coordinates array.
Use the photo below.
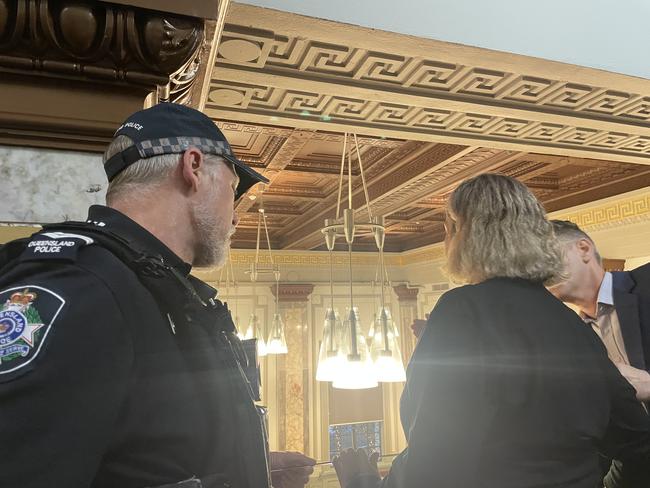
{"type": "Point", "coordinates": [235, 219]}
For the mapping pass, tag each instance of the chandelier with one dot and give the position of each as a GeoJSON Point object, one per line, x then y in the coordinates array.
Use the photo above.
{"type": "Point", "coordinates": [344, 357]}
{"type": "Point", "coordinates": [276, 342]}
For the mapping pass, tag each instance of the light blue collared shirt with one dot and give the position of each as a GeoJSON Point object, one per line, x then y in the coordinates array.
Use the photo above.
{"type": "Point", "coordinates": [606, 291]}
{"type": "Point", "coordinates": [606, 323]}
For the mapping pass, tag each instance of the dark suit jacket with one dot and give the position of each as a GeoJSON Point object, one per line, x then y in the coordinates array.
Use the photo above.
{"type": "Point", "coordinates": [632, 303]}
{"type": "Point", "coordinates": [507, 388]}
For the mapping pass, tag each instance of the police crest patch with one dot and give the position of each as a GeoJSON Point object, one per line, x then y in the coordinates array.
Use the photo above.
{"type": "Point", "coordinates": [26, 316]}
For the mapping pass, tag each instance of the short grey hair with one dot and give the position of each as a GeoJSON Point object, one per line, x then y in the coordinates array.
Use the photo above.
{"type": "Point", "coordinates": [567, 231]}
{"type": "Point", "coordinates": [143, 173]}
{"type": "Point", "coordinates": [501, 230]}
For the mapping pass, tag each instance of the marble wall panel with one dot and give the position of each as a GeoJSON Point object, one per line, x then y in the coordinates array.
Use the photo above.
{"type": "Point", "coordinates": [43, 185]}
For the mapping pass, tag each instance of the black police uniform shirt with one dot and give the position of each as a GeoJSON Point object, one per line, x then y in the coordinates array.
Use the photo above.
{"type": "Point", "coordinates": [96, 388]}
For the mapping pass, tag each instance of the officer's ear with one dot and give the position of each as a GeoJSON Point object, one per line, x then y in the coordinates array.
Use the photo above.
{"type": "Point", "coordinates": [192, 164]}
{"type": "Point", "coordinates": [585, 249]}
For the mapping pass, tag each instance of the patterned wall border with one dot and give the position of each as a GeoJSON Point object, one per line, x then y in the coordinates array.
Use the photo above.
{"type": "Point", "coordinates": [311, 258]}
{"type": "Point", "coordinates": [614, 214]}
{"type": "Point", "coordinates": [244, 258]}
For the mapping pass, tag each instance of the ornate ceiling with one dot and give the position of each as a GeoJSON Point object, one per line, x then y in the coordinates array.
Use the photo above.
{"type": "Point", "coordinates": [428, 114]}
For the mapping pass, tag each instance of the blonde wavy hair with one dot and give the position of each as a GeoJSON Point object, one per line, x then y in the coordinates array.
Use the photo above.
{"type": "Point", "coordinates": [497, 228]}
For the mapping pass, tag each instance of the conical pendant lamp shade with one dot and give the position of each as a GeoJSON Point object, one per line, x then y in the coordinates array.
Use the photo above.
{"type": "Point", "coordinates": [356, 371]}
{"type": "Point", "coordinates": [330, 356]}
{"type": "Point", "coordinates": [277, 343]}
{"type": "Point", "coordinates": [384, 349]}
{"type": "Point", "coordinates": [249, 331]}
{"type": "Point", "coordinates": [253, 331]}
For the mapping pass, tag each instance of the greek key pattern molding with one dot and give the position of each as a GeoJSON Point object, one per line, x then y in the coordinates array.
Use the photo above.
{"type": "Point", "coordinates": [299, 58]}
{"type": "Point", "coordinates": [252, 48]}
{"type": "Point", "coordinates": [296, 104]}
{"type": "Point", "coordinates": [628, 211]}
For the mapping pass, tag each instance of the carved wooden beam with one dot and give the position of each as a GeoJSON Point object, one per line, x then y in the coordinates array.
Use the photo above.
{"type": "Point", "coordinates": [213, 31]}
{"type": "Point", "coordinates": [595, 187]}
{"type": "Point", "coordinates": [289, 149]}
{"type": "Point", "coordinates": [388, 178]}
{"type": "Point", "coordinates": [96, 41]}
{"type": "Point", "coordinates": [71, 71]}
{"type": "Point", "coordinates": [444, 180]}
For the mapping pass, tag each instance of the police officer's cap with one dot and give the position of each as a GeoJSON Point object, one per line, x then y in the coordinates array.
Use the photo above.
{"type": "Point", "coordinates": [170, 128]}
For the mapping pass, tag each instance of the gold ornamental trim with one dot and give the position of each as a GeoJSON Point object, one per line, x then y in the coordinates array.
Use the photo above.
{"type": "Point", "coordinates": [611, 214]}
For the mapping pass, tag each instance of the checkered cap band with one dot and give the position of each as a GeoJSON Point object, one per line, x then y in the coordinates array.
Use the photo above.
{"type": "Point", "coordinates": [176, 145]}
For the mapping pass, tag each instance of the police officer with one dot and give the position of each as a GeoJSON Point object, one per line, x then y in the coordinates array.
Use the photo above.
{"type": "Point", "coordinates": [117, 367]}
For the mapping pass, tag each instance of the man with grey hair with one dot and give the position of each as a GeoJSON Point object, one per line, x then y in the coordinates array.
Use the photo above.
{"type": "Point", "coordinates": [616, 304]}
{"type": "Point", "coordinates": [117, 367]}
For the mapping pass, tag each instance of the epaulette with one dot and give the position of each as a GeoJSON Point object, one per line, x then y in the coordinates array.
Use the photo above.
{"type": "Point", "coordinates": [62, 246]}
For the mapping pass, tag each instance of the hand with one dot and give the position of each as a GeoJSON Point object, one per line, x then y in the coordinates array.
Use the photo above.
{"type": "Point", "coordinates": [418, 326]}
{"type": "Point", "coordinates": [282, 473]}
{"type": "Point", "coordinates": [352, 463]}
{"type": "Point", "coordinates": [638, 378]}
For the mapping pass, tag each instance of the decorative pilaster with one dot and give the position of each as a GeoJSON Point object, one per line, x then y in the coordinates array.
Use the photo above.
{"type": "Point", "coordinates": [292, 368]}
{"type": "Point", "coordinates": [394, 440]}
{"type": "Point", "coordinates": [407, 298]}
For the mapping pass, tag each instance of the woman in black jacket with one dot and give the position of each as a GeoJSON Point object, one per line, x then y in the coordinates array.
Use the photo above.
{"type": "Point", "coordinates": [507, 387]}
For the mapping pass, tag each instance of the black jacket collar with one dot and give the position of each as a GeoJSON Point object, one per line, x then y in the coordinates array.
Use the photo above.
{"type": "Point", "coordinates": [136, 235]}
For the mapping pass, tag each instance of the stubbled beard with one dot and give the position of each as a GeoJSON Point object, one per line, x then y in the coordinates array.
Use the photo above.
{"type": "Point", "coordinates": [213, 238]}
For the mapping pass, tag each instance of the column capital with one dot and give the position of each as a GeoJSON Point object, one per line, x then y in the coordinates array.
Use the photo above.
{"type": "Point", "coordinates": [406, 294]}
{"type": "Point", "coordinates": [293, 292]}
{"type": "Point", "coordinates": [613, 264]}
{"type": "Point", "coordinates": [71, 71]}
{"type": "Point", "coordinates": [117, 44]}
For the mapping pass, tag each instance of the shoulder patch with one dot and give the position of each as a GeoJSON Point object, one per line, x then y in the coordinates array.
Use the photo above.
{"type": "Point", "coordinates": [54, 245]}
{"type": "Point", "coordinates": [27, 313]}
